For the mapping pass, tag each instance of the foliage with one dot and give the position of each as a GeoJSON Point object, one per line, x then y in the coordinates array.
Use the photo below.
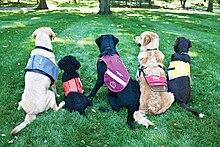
{"type": "Point", "coordinates": [76, 32]}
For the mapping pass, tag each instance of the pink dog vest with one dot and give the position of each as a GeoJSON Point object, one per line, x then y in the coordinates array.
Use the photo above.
{"type": "Point", "coordinates": [73, 85]}
{"type": "Point", "coordinates": [116, 76]}
{"type": "Point", "coordinates": [156, 80]}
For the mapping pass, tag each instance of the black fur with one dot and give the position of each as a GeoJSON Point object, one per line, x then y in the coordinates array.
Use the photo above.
{"type": "Point", "coordinates": [129, 97]}
{"type": "Point", "coordinates": [74, 101]}
{"type": "Point", "coordinates": [180, 86]}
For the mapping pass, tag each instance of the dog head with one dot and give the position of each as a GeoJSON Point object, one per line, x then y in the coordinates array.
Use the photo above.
{"type": "Point", "coordinates": [44, 30]}
{"type": "Point", "coordinates": [69, 63]}
{"type": "Point", "coordinates": [182, 44]}
{"type": "Point", "coordinates": [107, 44]}
{"type": "Point", "coordinates": [147, 40]}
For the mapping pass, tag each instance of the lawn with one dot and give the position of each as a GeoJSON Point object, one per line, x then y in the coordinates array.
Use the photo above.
{"type": "Point", "coordinates": [76, 32]}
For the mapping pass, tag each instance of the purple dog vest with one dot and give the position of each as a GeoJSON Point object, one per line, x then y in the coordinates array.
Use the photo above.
{"type": "Point", "coordinates": [116, 76]}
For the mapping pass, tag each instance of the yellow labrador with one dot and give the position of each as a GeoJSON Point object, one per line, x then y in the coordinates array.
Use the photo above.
{"type": "Point", "coordinates": [37, 97]}
{"type": "Point", "coordinates": [154, 97]}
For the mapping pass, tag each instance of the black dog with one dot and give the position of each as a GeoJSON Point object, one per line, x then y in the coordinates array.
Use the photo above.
{"type": "Point", "coordinates": [125, 96]}
{"type": "Point", "coordinates": [74, 98]}
{"type": "Point", "coordinates": [179, 74]}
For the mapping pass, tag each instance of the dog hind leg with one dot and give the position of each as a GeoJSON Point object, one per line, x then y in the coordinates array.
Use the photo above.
{"type": "Point", "coordinates": [52, 102]}
{"type": "Point", "coordinates": [54, 89]}
{"type": "Point", "coordinates": [113, 103]}
{"type": "Point", "coordinates": [130, 118]}
{"type": "Point", "coordinates": [139, 117]}
{"type": "Point", "coordinates": [82, 112]}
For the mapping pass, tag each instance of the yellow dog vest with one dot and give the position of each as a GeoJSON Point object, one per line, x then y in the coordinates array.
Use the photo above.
{"type": "Point", "coordinates": [178, 69]}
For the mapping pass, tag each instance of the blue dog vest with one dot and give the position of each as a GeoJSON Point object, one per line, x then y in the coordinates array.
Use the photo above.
{"type": "Point", "coordinates": [43, 65]}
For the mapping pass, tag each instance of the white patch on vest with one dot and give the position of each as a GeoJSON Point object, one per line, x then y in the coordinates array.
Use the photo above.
{"type": "Point", "coordinates": [40, 62]}
{"type": "Point", "coordinates": [112, 84]}
{"type": "Point", "coordinates": [115, 77]}
{"type": "Point", "coordinates": [156, 78]}
{"type": "Point", "coordinates": [119, 73]}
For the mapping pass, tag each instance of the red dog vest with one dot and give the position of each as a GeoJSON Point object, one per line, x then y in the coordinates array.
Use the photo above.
{"type": "Point", "coordinates": [116, 76]}
{"type": "Point", "coordinates": [73, 85]}
{"type": "Point", "coordinates": [156, 81]}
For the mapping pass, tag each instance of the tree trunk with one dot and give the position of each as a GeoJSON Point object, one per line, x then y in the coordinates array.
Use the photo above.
{"type": "Point", "coordinates": [149, 3]}
{"type": "Point", "coordinates": [104, 7]}
{"type": "Point", "coordinates": [210, 6]}
{"type": "Point", "coordinates": [183, 3]}
{"type": "Point", "coordinates": [42, 5]}
{"type": "Point", "coordinates": [140, 2]}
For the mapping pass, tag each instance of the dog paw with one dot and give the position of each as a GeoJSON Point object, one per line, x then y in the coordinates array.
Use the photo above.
{"type": "Point", "coordinates": [61, 104]}
{"type": "Point", "coordinates": [131, 125]}
{"type": "Point", "coordinates": [104, 109]}
{"type": "Point", "coordinates": [201, 115]}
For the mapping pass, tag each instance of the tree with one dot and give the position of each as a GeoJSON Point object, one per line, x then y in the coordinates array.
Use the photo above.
{"type": "Point", "coordinates": [104, 7]}
{"type": "Point", "coordinates": [42, 5]}
{"type": "Point", "coordinates": [210, 6]}
{"type": "Point", "coordinates": [149, 3]}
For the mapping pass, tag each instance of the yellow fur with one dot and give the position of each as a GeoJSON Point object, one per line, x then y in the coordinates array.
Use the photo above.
{"type": "Point", "coordinates": [152, 61]}
{"type": "Point", "coordinates": [37, 97]}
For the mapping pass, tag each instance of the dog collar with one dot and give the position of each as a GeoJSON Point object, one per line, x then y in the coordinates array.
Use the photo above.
{"type": "Point", "coordinates": [184, 53]}
{"type": "Point", "coordinates": [151, 49]}
{"type": "Point", "coordinates": [44, 48]}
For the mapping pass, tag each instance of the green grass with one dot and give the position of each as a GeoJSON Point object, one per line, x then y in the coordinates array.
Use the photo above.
{"type": "Point", "coordinates": [76, 32]}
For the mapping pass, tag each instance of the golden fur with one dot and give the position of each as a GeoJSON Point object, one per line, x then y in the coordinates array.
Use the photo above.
{"type": "Point", "coordinates": [151, 102]}
{"type": "Point", "coordinates": [37, 97]}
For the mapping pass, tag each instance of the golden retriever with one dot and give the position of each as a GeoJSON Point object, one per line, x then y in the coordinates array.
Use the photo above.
{"type": "Point", "coordinates": [154, 99]}
{"type": "Point", "coordinates": [37, 97]}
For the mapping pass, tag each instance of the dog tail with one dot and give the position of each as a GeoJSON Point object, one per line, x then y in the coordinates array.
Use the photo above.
{"type": "Point", "coordinates": [183, 105]}
{"type": "Point", "coordinates": [139, 117]}
{"type": "Point", "coordinates": [28, 119]}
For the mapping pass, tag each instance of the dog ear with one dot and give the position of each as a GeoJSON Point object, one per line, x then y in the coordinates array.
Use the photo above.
{"type": "Point", "coordinates": [52, 35]}
{"type": "Point", "coordinates": [116, 40]}
{"type": "Point", "coordinates": [175, 46]}
{"type": "Point", "coordinates": [189, 43]}
{"type": "Point", "coordinates": [34, 34]}
{"type": "Point", "coordinates": [98, 41]}
{"type": "Point", "coordinates": [77, 64]}
{"type": "Point", "coordinates": [61, 64]}
{"type": "Point", "coordinates": [147, 39]}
